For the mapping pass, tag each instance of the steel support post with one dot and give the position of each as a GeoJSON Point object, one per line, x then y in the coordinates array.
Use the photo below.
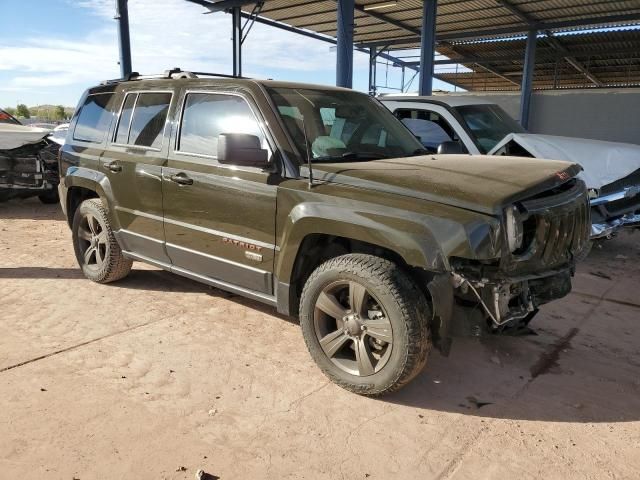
{"type": "Point", "coordinates": [527, 77]}
{"type": "Point", "coordinates": [344, 37]}
{"type": "Point", "coordinates": [427, 46]}
{"type": "Point", "coordinates": [373, 61]}
{"type": "Point", "coordinates": [236, 38]}
{"type": "Point", "coordinates": [124, 43]}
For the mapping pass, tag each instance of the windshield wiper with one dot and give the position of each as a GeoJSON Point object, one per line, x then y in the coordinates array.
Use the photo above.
{"type": "Point", "coordinates": [363, 156]}
{"type": "Point", "coordinates": [351, 156]}
{"type": "Point", "coordinates": [421, 151]}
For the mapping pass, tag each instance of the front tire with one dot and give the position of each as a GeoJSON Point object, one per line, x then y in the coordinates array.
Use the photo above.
{"type": "Point", "coordinates": [365, 323]}
{"type": "Point", "coordinates": [96, 248]}
{"type": "Point", "coordinates": [49, 197]}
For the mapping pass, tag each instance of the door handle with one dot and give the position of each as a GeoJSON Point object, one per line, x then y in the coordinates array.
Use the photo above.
{"type": "Point", "coordinates": [114, 167]}
{"type": "Point", "coordinates": [181, 179]}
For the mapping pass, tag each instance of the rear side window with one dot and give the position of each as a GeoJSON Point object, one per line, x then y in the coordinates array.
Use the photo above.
{"type": "Point", "coordinates": [207, 115]}
{"type": "Point", "coordinates": [143, 118]}
{"type": "Point", "coordinates": [430, 127]}
{"type": "Point", "coordinates": [94, 118]}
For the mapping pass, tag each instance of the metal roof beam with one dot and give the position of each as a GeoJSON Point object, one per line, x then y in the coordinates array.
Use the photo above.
{"type": "Point", "coordinates": [222, 5]}
{"type": "Point", "coordinates": [323, 38]}
{"type": "Point", "coordinates": [540, 55]}
{"type": "Point", "coordinates": [384, 18]}
{"type": "Point", "coordinates": [570, 59]}
{"type": "Point", "coordinates": [486, 67]}
{"type": "Point", "coordinates": [554, 42]}
{"type": "Point", "coordinates": [496, 32]}
{"type": "Point", "coordinates": [517, 12]}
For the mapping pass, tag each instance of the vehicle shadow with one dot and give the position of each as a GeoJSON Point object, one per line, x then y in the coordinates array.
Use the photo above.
{"type": "Point", "coordinates": [30, 209]}
{"type": "Point", "coordinates": [567, 372]}
{"type": "Point", "coordinates": [40, 273]}
{"type": "Point", "coordinates": [142, 279]}
{"type": "Point", "coordinates": [559, 373]}
{"type": "Point", "coordinates": [538, 378]}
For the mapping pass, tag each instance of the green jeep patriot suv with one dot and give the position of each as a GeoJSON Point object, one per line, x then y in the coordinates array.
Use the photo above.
{"type": "Point", "coordinates": [316, 200]}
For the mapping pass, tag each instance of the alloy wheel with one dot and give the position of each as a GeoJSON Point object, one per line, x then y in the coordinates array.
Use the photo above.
{"type": "Point", "coordinates": [93, 242]}
{"type": "Point", "coordinates": [352, 328]}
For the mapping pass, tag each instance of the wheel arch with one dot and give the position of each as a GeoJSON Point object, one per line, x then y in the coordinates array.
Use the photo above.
{"type": "Point", "coordinates": [311, 240]}
{"type": "Point", "coordinates": [81, 184]}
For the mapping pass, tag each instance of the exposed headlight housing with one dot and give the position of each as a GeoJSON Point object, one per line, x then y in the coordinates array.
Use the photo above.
{"type": "Point", "coordinates": [515, 231]}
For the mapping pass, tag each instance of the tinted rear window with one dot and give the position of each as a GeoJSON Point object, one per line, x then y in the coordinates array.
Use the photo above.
{"type": "Point", "coordinates": [94, 118]}
{"type": "Point", "coordinates": [142, 119]}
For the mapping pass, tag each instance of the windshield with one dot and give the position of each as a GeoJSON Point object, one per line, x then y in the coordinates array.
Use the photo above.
{"type": "Point", "coordinates": [6, 118]}
{"type": "Point", "coordinates": [342, 125]}
{"type": "Point", "coordinates": [488, 124]}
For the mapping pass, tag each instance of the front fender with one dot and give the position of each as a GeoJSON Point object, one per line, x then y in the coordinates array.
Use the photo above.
{"type": "Point", "coordinates": [422, 241]}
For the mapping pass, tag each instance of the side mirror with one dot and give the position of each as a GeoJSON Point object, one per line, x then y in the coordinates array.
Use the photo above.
{"type": "Point", "coordinates": [451, 148]}
{"type": "Point", "coordinates": [241, 149]}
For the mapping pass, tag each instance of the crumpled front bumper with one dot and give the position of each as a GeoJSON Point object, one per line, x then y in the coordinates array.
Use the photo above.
{"type": "Point", "coordinates": [609, 228]}
{"type": "Point", "coordinates": [610, 213]}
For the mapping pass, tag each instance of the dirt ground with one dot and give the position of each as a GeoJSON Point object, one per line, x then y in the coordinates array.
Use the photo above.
{"type": "Point", "coordinates": [158, 376]}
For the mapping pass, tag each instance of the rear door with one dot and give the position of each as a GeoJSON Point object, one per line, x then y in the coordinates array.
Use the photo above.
{"type": "Point", "coordinates": [219, 219]}
{"type": "Point", "coordinates": [133, 164]}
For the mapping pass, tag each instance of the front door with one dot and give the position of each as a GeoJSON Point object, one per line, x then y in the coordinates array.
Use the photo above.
{"type": "Point", "coordinates": [133, 163]}
{"type": "Point", "coordinates": [219, 219]}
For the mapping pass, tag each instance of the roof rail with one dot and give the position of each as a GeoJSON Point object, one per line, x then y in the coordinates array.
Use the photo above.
{"type": "Point", "coordinates": [211, 74]}
{"type": "Point", "coordinates": [173, 73]}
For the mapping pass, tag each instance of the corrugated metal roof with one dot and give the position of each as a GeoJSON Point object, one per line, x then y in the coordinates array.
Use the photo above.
{"type": "Point", "coordinates": [607, 58]}
{"type": "Point", "coordinates": [402, 21]}
{"type": "Point", "coordinates": [469, 30]}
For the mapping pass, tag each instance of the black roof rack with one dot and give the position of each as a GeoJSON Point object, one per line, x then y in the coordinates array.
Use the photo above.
{"type": "Point", "coordinates": [173, 73]}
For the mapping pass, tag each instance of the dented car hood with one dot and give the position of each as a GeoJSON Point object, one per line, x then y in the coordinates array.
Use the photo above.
{"type": "Point", "coordinates": [480, 183]}
{"type": "Point", "coordinates": [602, 162]}
{"type": "Point", "coordinates": [15, 136]}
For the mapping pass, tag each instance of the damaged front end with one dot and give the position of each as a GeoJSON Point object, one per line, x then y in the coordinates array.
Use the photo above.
{"type": "Point", "coordinates": [480, 297]}
{"type": "Point", "coordinates": [29, 170]}
{"type": "Point", "coordinates": [615, 206]}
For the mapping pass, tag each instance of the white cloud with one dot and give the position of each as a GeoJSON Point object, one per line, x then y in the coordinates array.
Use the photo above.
{"type": "Point", "coordinates": [168, 33]}
{"type": "Point", "coordinates": [164, 34]}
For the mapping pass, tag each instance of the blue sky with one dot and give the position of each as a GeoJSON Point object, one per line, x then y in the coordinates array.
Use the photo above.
{"type": "Point", "coordinates": [51, 50]}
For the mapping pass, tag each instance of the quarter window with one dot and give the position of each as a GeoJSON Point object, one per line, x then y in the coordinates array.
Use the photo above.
{"type": "Point", "coordinates": [207, 115]}
{"type": "Point", "coordinates": [143, 118]}
{"type": "Point", "coordinates": [94, 118]}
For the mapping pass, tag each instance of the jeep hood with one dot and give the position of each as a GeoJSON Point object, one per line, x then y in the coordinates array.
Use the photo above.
{"type": "Point", "coordinates": [602, 162]}
{"type": "Point", "coordinates": [479, 183]}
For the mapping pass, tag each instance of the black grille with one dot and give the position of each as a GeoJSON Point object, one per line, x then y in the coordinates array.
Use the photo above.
{"type": "Point", "coordinates": [562, 228]}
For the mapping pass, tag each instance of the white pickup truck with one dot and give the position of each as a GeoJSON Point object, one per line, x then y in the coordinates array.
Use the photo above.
{"type": "Point", "coordinates": [455, 124]}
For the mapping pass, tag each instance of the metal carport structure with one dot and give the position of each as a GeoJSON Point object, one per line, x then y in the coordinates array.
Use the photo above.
{"type": "Point", "coordinates": [379, 27]}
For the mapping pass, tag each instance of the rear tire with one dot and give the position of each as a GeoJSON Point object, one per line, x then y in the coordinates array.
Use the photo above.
{"type": "Point", "coordinates": [365, 323]}
{"type": "Point", "coordinates": [96, 248]}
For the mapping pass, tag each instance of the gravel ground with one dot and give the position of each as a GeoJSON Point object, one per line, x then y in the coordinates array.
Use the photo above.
{"type": "Point", "coordinates": [158, 376]}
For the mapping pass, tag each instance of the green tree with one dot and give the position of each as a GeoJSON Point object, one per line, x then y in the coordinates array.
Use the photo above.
{"type": "Point", "coordinates": [11, 111]}
{"type": "Point", "coordinates": [23, 111]}
{"type": "Point", "coordinates": [58, 113]}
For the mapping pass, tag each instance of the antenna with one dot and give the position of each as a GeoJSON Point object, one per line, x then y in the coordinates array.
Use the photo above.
{"type": "Point", "coordinates": [308, 152]}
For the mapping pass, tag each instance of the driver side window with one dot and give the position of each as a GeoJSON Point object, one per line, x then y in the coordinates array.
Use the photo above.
{"type": "Point", "coordinates": [207, 115]}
